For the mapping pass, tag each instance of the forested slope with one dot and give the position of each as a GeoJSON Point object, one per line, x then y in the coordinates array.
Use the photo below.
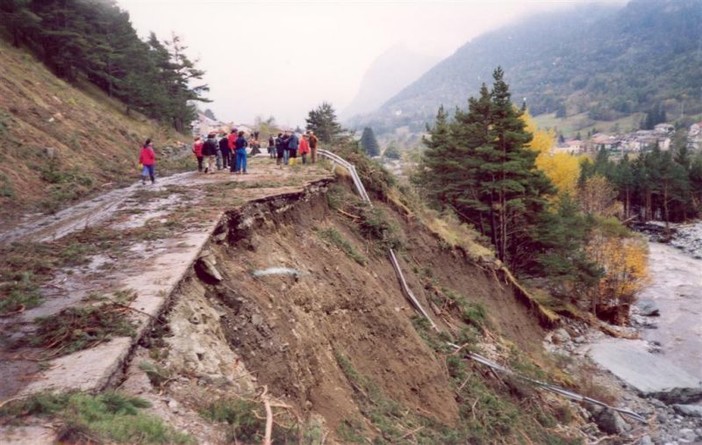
{"type": "Point", "coordinates": [603, 60]}
{"type": "Point", "coordinates": [94, 40]}
{"type": "Point", "coordinates": [60, 142]}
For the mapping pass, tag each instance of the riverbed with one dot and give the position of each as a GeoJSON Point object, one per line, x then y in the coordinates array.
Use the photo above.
{"type": "Point", "coordinates": [676, 289]}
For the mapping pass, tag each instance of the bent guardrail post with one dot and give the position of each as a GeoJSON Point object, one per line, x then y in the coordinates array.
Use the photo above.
{"type": "Point", "coordinates": [406, 290]}
{"type": "Point", "coordinates": [352, 171]}
{"type": "Point", "coordinates": [336, 159]}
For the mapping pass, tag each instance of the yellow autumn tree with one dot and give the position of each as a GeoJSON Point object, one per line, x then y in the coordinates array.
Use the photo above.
{"type": "Point", "coordinates": [563, 169]}
{"type": "Point", "coordinates": [598, 197]}
{"type": "Point", "coordinates": [624, 262]}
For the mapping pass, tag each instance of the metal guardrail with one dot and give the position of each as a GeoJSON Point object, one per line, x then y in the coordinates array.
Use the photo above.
{"type": "Point", "coordinates": [351, 169]}
{"type": "Point", "coordinates": [407, 291]}
{"type": "Point", "coordinates": [393, 258]}
{"type": "Point", "coordinates": [549, 387]}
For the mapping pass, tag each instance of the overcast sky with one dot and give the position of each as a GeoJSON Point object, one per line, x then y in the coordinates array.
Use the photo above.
{"type": "Point", "coordinates": [284, 58]}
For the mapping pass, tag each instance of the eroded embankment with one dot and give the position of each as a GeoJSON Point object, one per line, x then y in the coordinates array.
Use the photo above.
{"type": "Point", "coordinates": [332, 315]}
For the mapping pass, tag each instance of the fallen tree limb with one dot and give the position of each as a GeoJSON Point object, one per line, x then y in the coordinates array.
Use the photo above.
{"type": "Point", "coordinates": [269, 416]}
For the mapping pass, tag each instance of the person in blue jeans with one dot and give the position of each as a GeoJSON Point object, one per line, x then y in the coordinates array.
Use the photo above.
{"type": "Point", "coordinates": [240, 153]}
{"type": "Point", "coordinates": [293, 144]}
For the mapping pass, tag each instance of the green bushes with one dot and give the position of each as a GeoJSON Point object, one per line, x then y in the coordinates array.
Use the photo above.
{"type": "Point", "coordinates": [110, 417]}
{"type": "Point", "coordinates": [375, 226]}
{"type": "Point", "coordinates": [332, 236]}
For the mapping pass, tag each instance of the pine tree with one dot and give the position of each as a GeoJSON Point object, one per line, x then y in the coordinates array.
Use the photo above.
{"type": "Point", "coordinates": [517, 190]}
{"type": "Point", "coordinates": [479, 166]}
{"type": "Point", "coordinates": [322, 121]}
{"type": "Point", "coordinates": [369, 142]}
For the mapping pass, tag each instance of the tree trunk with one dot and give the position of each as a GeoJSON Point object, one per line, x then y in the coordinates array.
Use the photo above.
{"type": "Point", "coordinates": [666, 215]}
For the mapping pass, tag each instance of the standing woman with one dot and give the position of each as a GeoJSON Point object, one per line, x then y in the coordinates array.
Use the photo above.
{"type": "Point", "coordinates": [147, 158]}
{"type": "Point", "coordinates": [197, 151]}
{"type": "Point", "coordinates": [241, 144]}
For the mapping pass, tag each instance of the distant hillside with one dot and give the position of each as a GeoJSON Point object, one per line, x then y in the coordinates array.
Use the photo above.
{"type": "Point", "coordinates": [388, 74]}
{"type": "Point", "coordinates": [606, 61]}
{"type": "Point", "coordinates": [59, 143]}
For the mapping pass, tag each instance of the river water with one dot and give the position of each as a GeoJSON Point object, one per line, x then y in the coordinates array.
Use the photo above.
{"type": "Point", "coordinates": [676, 289]}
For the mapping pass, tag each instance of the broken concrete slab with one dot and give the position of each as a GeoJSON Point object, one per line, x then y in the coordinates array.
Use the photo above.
{"type": "Point", "coordinates": [87, 370]}
{"type": "Point", "coordinates": [652, 375]}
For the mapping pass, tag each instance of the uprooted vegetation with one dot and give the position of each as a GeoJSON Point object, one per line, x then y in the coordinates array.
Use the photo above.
{"type": "Point", "coordinates": [336, 340]}
{"type": "Point", "coordinates": [77, 328]}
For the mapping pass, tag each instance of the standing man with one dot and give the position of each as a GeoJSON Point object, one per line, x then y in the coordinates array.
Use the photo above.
{"type": "Point", "coordinates": [231, 138]}
{"type": "Point", "coordinates": [209, 152]}
{"type": "Point", "coordinates": [224, 148]}
{"type": "Point", "coordinates": [313, 146]}
{"type": "Point", "coordinates": [271, 147]}
{"type": "Point", "coordinates": [293, 144]}
{"type": "Point", "coordinates": [279, 149]}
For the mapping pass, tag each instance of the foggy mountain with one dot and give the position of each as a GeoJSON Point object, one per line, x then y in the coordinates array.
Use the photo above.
{"type": "Point", "coordinates": [602, 60]}
{"type": "Point", "coordinates": [393, 70]}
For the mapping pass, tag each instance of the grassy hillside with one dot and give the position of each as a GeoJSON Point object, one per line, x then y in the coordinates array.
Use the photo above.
{"type": "Point", "coordinates": [61, 142]}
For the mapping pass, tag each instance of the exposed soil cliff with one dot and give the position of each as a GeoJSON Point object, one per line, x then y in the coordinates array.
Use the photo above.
{"type": "Point", "coordinates": [309, 306]}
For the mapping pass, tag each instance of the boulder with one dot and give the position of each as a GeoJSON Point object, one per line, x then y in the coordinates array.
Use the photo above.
{"type": "Point", "coordinates": [610, 422]}
{"type": "Point", "coordinates": [206, 269]}
{"type": "Point", "coordinates": [648, 308]}
{"type": "Point", "coordinates": [560, 336]}
{"type": "Point", "coordinates": [688, 410]}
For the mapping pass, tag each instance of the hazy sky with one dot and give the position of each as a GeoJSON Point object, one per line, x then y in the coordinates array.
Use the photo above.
{"type": "Point", "coordinates": [284, 58]}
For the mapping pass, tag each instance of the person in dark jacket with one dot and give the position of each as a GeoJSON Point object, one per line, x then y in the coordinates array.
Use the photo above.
{"type": "Point", "coordinates": [224, 148]}
{"type": "Point", "coordinates": [293, 145]}
{"type": "Point", "coordinates": [240, 152]}
{"type": "Point", "coordinates": [279, 148]}
{"type": "Point", "coordinates": [209, 152]}
{"type": "Point", "coordinates": [271, 147]}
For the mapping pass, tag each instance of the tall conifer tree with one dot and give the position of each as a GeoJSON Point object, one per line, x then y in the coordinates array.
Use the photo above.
{"type": "Point", "coordinates": [478, 165]}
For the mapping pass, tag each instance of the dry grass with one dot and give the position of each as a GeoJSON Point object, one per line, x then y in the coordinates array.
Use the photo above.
{"type": "Point", "coordinates": [79, 135]}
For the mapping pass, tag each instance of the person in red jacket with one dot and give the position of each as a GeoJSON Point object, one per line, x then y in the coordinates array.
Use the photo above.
{"type": "Point", "coordinates": [197, 150]}
{"type": "Point", "coordinates": [231, 139]}
{"type": "Point", "coordinates": [304, 148]}
{"type": "Point", "coordinates": [147, 158]}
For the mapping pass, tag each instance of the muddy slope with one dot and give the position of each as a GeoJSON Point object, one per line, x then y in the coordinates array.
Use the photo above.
{"type": "Point", "coordinates": [292, 331]}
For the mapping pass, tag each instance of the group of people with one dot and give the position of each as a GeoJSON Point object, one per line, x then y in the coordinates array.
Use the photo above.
{"type": "Point", "coordinates": [287, 145]}
{"type": "Point", "coordinates": [227, 151]}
